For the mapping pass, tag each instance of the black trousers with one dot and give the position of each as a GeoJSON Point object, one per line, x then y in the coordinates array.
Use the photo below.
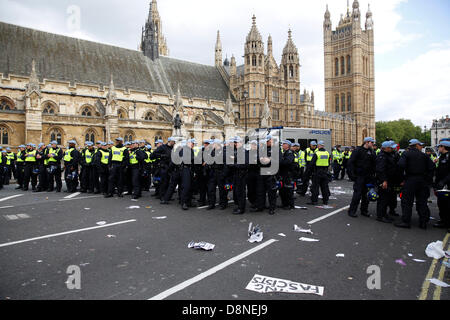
{"type": "Point", "coordinates": [28, 175]}
{"type": "Point", "coordinates": [252, 181]}
{"type": "Point", "coordinates": [360, 195]}
{"type": "Point", "coordinates": [266, 186]}
{"type": "Point", "coordinates": [320, 180]}
{"type": "Point", "coordinates": [96, 179]}
{"type": "Point", "coordinates": [116, 178]}
{"type": "Point", "coordinates": [239, 184]}
{"type": "Point", "coordinates": [2, 178]}
{"type": "Point", "coordinates": [5, 174]}
{"type": "Point", "coordinates": [55, 177]}
{"type": "Point", "coordinates": [444, 210]}
{"type": "Point", "coordinates": [305, 184]}
{"type": "Point", "coordinates": [9, 174]}
{"type": "Point", "coordinates": [127, 180]}
{"type": "Point", "coordinates": [202, 185]}
{"type": "Point", "coordinates": [217, 180]}
{"type": "Point", "coordinates": [183, 178]}
{"type": "Point", "coordinates": [287, 193]}
{"type": "Point", "coordinates": [88, 179]}
{"type": "Point", "coordinates": [146, 181]}
{"type": "Point", "coordinates": [43, 178]}
{"type": "Point", "coordinates": [415, 187]}
{"type": "Point", "coordinates": [71, 184]}
{"type": "Point", "coordinates": [336, 170]}
{"type": "Point", "coordinates": [103, 173]}
{"type": "Point", "coordinates": [165, 181]}
{"type": "Point", "coordinates": [385, 200]}
{"type": "Point", "coordinates": [343, 168]}
{"type": "Point", "coordinates": [20, 167]}
{"type": "Point", "coordinates": [135, 178]}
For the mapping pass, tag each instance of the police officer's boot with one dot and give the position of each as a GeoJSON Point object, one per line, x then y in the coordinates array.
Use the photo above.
{"type": "Point", "coordinates": [185, 206]}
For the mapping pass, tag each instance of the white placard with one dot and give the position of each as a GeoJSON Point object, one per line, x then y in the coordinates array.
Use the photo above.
{"type": "Point", "coordinates": [263, 284]}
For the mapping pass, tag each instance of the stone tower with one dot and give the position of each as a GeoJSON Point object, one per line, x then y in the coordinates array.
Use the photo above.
{"type": "Point", "coordinates": [254, 77]}
{"type": "Point", "coordinates": [218, 55]}
{"type": "Point", "coordinates": [349, 70]}
{"type": "Point", "coordinates": [153, 42]}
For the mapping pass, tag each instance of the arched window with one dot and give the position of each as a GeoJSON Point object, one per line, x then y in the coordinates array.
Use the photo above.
{"type": "Point", "coordinates": [343, 102]}
{"type": "Point", "coordinates": [149, 116]}
{"type": "Point", "coordinates": [86, 112]}
{"type": "Point", "coordinates": [291, 72]}
{"type": "Point", "coordinates": [342, 65]}
{"type": "Point", "coordinates": [254, 60]}
{"type": "Point", "coordinates": [4, 136]}
{"type": "Point", "coordinates": [55, 135]}
{"type": "Point", "coordinates": [90, 136]}
{"type": "Point", "coordinates": [254, 90]}
{"type": "Point", "coordinates": [349, 64]}
{"type": "Point", "coordinates": [121, 114]}
{"type": "Point", "coordinates": [128, 137]}
{"type": "Point", "coordinates": [336, 67]}
{"type": "Point", "coordinates": [49, 109]}
{"type": "Point", "coordinates": [337, 103]}
{"type": "Point", "coordinates": [198, 120]}
{"type": "Point", "coordinates": [254, 111]}
{"type": "Point", "coordinates": [260, 61]}
{"type": "Point", "coordinates": [5, 105]}
{"type": "Point", "coordinates": [349, 102]}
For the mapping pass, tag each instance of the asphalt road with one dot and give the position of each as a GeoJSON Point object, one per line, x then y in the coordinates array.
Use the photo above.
{"type": "Point", "coordinates": [140, 257]}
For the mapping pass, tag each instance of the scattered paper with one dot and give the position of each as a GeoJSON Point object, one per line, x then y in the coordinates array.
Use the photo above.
{"type": "Point", "coordinates": [308, 239]}
{"type": "Point", "coordinates": [201, 245]}
{"type": "Point", "coordinates": [410, 254]}
{"type": "Point", "coordinates": [255, 234]}
{"type": "Point", "coordinates": [159, 218]}
{"type": "Point", "coordinates": [39, 261]}
{"type": "Point", "coordinates": [301, 208]}
{"type": "Point", "coordinates": [134, 207]}
{"type": "Point", "coordinates": [434, 250]}
{"type": "Point", "coordinates": [101, 223]}
{"type": "Point", "coordinates": [439, 283]}
{"type": "Point", "coordinates": [324, 207]}
{"type": "Point", "coordinates": [298, 229]}
{"type": "Point", "coordinates": [264, 284]}
{"type": "Point", "coordinates": [340, 255]}
{"type": "Point", "coordinates": [111, 236]}
{"type": "Point", "coordinates": [419, 260]}
{"type": "Point", "coordinates": [400, 261]}
{"type": "Point", "coordinates": [135, 200]}
{"type": "Point", "coordinates": [282, 235]}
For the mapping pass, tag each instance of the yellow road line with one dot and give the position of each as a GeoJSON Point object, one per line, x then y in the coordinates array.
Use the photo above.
{"type": "Point", "coordinates": [426, 284]}
{"type": "Point", "coordinates": [437, 291]}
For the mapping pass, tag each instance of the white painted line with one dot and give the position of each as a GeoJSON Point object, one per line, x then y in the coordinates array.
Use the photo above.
{"type": "Point", "coordinates": [73, 195]}
{"type": "Point", "coordinates": [64, 233]}
{"type": "Point", "coordinates": [11, 217]}
{"type": "Point", "coordinates": [11, 197]}
{"type": "Point", "coordinates": [80, 198]}
{"type": "Point", "coordinates": [6, 207]}
{"type": "Point", "coordinates": [328, 215]}
{"type": "Point", "coordinates": [23, 216]}
{"type": "Point", "coordinates": [211, 271]}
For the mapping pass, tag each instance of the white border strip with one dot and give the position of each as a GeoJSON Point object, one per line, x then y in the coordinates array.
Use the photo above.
{"type": "Point", "coordinates": [328, 215]}
{"type": "Point", "coordinates": [11, 197]}
{"type": "Point", "coordinates": [73, 195]}
{"type": "Point", "coordinates": [64, 233]}
{"type": "Point", "coordinates": [209, 272]}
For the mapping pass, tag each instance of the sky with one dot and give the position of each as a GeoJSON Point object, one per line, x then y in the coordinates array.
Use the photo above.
{"type": "Point", "coordinates": [412, 39]}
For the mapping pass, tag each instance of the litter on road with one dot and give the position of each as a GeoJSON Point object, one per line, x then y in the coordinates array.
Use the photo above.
{"type": "Point", "coordinates": [439, 283]}
{"type": "Point", "coordinates": [301, 208]}
{"type": "Point", "coordinates": [263, 284]}
{"type": "Point", "coordinates": [298, 229]}
{"type": "Point", "coordinates": [159, 218]}
{"type": "Point", "coordinates": [133, 207]}
{"type": "Point", "coordinates": [282, 235]}
{"type": "Point", "coordinates": [101, 223]}
{"type": "Point", "coordinates": [255, 234]}
{"type": "Point", "coordinates": [419, 260]}
{"type": "Point", "coordinates": [340, 255]}
{"type": "Point", "coordinates": [434, 250]}
{"type": "Point", "coordinates": [325, 207]}
{"type": "Point", "coordinates": [400, 261]}
{"type": "Point", "coordinates": [308, 239]}
{"type": "Point", "coordinates": [201, 245]}
{"type": "Point", "coordinates": [111, 236]}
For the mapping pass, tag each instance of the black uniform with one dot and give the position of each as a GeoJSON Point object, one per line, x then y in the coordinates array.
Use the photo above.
{"type": "Point", "coordinates": [11, 167]}
{"type": "Point", "coordinates": [419, 170]}
{"type": "Point", "coordinates": [87, 170]}
{"type": "Point", "coordinates": [286, 173]}
{"type": "Point", "coordinates": [29, 169]}
{"type": "Point", "coordinates": [102, 168]}
{"type": "Point", "coordinates": [216, 179]}
{"type": "Point", "coordinates": [54, 169]}
{"type": "Point", "coordinates": [252, 178]}
{"type": "Point", "coordinates": [162, 155]}
{"type": "Point", "coordinates": [201, 176]}
{"type": "Point", "coordinates": [239, 171]}
{"type": "Point", "coordinates": [71, 167]}
{"type": "Point", "coordinates": [135, 170]}
{"type": "Point", "coordinates": [43, 177]}
{"type": "Point", "coordinates": [2, 170]}
{"type": "Point", "coordinates": [116, 172]}
{"type": "Point", "coordinates": [361, 170]}
{"type": "Point", "coordinates": [386, 170]}
{"type": "Point", "coordinates": [320, 179]}
{"type": "Point", "coordinates": [20, 167]}
{"type": "Point", "coordinates": [442, 180]}
{"type": "Point", "coordinates": [267, 184]}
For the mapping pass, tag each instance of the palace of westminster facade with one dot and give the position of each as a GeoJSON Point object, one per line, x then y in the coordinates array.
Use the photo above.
{"type": "Point", "coordinates": [54, 87]}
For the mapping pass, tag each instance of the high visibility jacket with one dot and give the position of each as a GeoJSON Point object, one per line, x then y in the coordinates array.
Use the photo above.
{"type": "Point", "coordinates": [309, 154]}
{"type": "Point", "coordinates": [348, 155]}
{"type": "Point", "coordinates": [19, 156]}
{"type": "Point", "coordinates": [68, 155]}
{"type": "Point", "coordinates": [148, 160]}
{"type": "Point", "coordinates": [105, 156]}
{"type": "Point", "coordinates": [133, 159]}
{"type": "Point", "coordinates": [88, 155]}
{"type": "Point", "coordinates": [8, 162]}
{"type": "Point", "coordinates": [378, 151]}
{"type": "Point", "coordinates": [196, 151]}
{"type": "Point", "coordinates": [323, 159]}
{"type": "Point", "coordinates": [10, 156]}
{"type": "Point", "coordinates": [54, 152]}
{"type": "Point", "coordinates": [30, 156]}
{"type": "Point", "coordinates": [337, 156]}
{"type": "Point", "coordinates": [117, 153]}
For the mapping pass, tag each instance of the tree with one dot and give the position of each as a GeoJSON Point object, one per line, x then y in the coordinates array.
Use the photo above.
{"type": "Point", "coordinates": [401, 131]}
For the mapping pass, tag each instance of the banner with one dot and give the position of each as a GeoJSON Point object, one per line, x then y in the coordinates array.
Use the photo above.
{"type": "Point", "coordinates": [263, 284]}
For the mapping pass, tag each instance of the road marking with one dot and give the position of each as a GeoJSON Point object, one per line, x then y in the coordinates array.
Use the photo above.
{"type": "Point", "coordinates": [6, 207]}
{"type": "Point", "coordinates": [66, 232]}
{"type": "Point", "coordinates": [328, 215]}
{"type": "Point", "coordinates": [80, 198]}
{"type": "Point", "coordinates": [426, 283]}
{"type": "Point", "coordinates": [11, 217]}
{"type": "Point", "coordinates": [211, 271]}
{"type": "Point", "coordinates": [11, 197]}
{"type": "Point", "coordinates": [73, 195]}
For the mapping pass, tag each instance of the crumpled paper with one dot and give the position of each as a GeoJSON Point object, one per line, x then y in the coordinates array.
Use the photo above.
{"type": "Point", "coordinates": [298, 229]}
{"type": "Point", "coordinates": [255, 234]}
{"type": "Point", "coordinates": [201, 245]}
{"type": "Point", "coordinates": [434, 250]}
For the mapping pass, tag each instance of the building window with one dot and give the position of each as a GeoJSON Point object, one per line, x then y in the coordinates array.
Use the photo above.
{"type": "Point", "coordinates": [55, 135]}
{"type": "Point", "coordinates": [87, 112]}
{"type": "Point", "coordinates": [254, 61]}
{"type": "Point", "coordinates": [292, 98]}
{"type": "Point", "coordinates": [5, 105]}
{"type": "Point", "coordinates": [121, 114]}
{"type": "Point", "coordinates": [276, 114]}
{"type": "Point", "coordinates": [254, 90]}
{"type": "Point", "coordinates": [260, 61]}
{"type": "Point", "coordinates": [336, 67]}
{"type": "Point", "coordinates": [291, 72]}
{"type": "Point", "coordinates": [128, 137]}
{"type": "Point", "coordinates": [49, 109]}
{"type": "Point", "coordinates": [248, 60]}
{"type": "Point", "coordinates": [149, 116]}
{"type": "Point", "coordinates": [90, 136]}
{"type": "Point", "coordinates": [254, 111]}
{"type": "Point", "coordinates": [292, 115]}
{"type": "Point", "coordinates": [349, 102]}
{"type": "Point", "coordinates": [343, 102]}
{"type": "Point", "coordinates": [275, 95]}
{"type": "Point", "coordinates": [261, 94]}
{"type": "Point", "coordinates": [342, 66]}
{"type": "Point", "coordinates": [337, 103]}
{"type": "Point", "coordinates": [4, 137]}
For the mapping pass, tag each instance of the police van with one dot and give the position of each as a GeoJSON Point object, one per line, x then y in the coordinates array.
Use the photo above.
{"type": "Point", "coordinates": [302, 136]}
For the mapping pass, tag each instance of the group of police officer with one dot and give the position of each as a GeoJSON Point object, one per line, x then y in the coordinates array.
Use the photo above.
{"type": "Point", "coordinates": [246, 170]}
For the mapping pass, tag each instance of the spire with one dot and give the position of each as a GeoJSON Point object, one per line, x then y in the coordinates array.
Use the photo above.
{"type": "Point", "coordinates": [369, 21]}
{"type": "Point", "coordinates": [254, 44]}
{"type": "Point", "coordinates": [218, 57]}
{"type": "Point", "coordinates": [327, 20]}
{"type": "Point", "coordinates": [153, 43]}
{"type": "Point", "coordinates": [269, 46]}
{"type": "Point", "coordinates": [111, 96]}
{"type": "Point", "coordinates": [33, 84]}
{"type": "Point", "coordinates": [254, 34]}
{"type": "Point", "coordinates": [356, 14]}
{"type": "Point", "coordinates": [348, 8]}
{"type": "Point", "coordinates": [290, 47]}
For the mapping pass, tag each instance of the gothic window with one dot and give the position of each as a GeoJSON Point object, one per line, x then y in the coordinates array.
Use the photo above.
{"type": "Point", "coordinates": [342, 65]}
{"type": "Point", "coordinates": [149, 116]}
{"type": "Point", "coordinates": [349, 64]}
{"type": "Point", "coordinates": [292, 115]}
{"type": "Point", "coordinates": [276, 114]}
{"type": "Point", "coordinates": [4, 137]}
{"type": "Point", "coordinates": [285, 73]}
{"type": "Point", "coordinates": [248, 60]}
{"type": "Point", "coordinates": [349, 102]}
{"type": "Point", "coordinates": [292, 98]}
{"type": "Point", "coordinates": [343, 102]}
{"type": "Point", "coordinates": [55, 135]}
{"type": "Point", "coordinates": [291, 71]}
{"type": "Point", "coordinates": [128, 137]}
{"type": "Point", "coordinates": [254, 61]}
{"type": "Point", "coordinates": [90, 136]}
{"type": "Point", "coordinates": [86, 112]}
{"type": "Point", "coordinates": [5, 105]}
{"type": "Point", "coordinates": [121, 114]}
{"type": "Point", "coordinates": [275, 95]}
{"type": "Point", "coordinates": [337, 103]}
{"type": "Point", "coordinates": [254, 90]}
{"type": "Point", "coordinates": [254, 111]}
{"type": "Point", "coordinates": [49, 109]}
{"type": "Point", "coordinates": [260, 61]}
{"type": "Point", "coordinates": [336, 67]}
{"type": "Point", "coordinates": [158, 137]}
{"type": "Point", "coordinates": [261, 95]}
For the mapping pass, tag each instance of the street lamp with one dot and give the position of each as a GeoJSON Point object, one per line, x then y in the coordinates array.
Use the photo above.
{"type": "Point", "coordinates": [245, 109]}
{"type": "Point", "coordinates": [436, 127]}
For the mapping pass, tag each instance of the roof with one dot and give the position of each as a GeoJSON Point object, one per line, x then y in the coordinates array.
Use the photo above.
{"type": "Point", "coordinates": [74, 60]}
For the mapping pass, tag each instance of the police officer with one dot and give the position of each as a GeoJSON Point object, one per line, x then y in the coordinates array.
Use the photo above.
{"type": "Point", "coordinates": [345, 157]}
{"type": "Point", "coordinates": [11, 166]}
{"type": "Point", "coordinates": [20, 166]}
{"type": "Point", "coordinates": [118, 160]}
{"type": "Point", "coordinates": [216, 177]}
{"type": "Point", "coordinates": [3, 160]}
{"type": "Point", "coordinates": [361, 170]}
{"type": "Point", "coordinates": [337, 162]}
{"type": "Point", "coordinates": [162, 155]}
{"type": "Point", "coordinates": [286, 172]}
{"type": "Point", "coordinates": [41, 163]}
{"type": "Point", "coordinates": [5, 176]}
{"type": "Point", "coordinates": [318, 169]}
{"type": "Point", "coordinates": [30, 172]}
{"type": "Point", "coordinates": [87, 167]}
{"type": "Point", "coordinates": [98, 146]}
{"type": "Point", "coordinates": [146, 173]}
{"type": "Point", "coordinates": [202, 171]}
{"type": "Point", "coordinates": [386, 168]}
{"type": "Point", "coordinates": [253, 173]}
{"type": "Point", "coordinates": [429, 152]}
{"type": "Point", "coordinates": [307, 156]}
{"type": "Point", "coordinates": [419, 170]}
{"type": "Point", "coordinates": [239, 168]}
{"type": "Point", "coordinates": [267, 179]}
{"type": "Point", "coordinates": [442, 181]}
{"type": "Point", "coordinates": [101, 163]}
{"type": "Point", "coordinates": [71, 162]}
{"type": "Point", "coordinates": [136, 163]}
{"type": "Point", "coordinates": [54, 156]}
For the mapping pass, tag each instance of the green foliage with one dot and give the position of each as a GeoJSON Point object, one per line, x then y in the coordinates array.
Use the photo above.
{"type": "Point", "coordinates": [401, 131]}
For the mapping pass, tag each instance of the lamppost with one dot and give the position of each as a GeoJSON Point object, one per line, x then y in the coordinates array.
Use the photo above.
{"type": "Point", "coordinates": [436, 131]}
{"type": "Point", "coordinates": [245, 110]}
